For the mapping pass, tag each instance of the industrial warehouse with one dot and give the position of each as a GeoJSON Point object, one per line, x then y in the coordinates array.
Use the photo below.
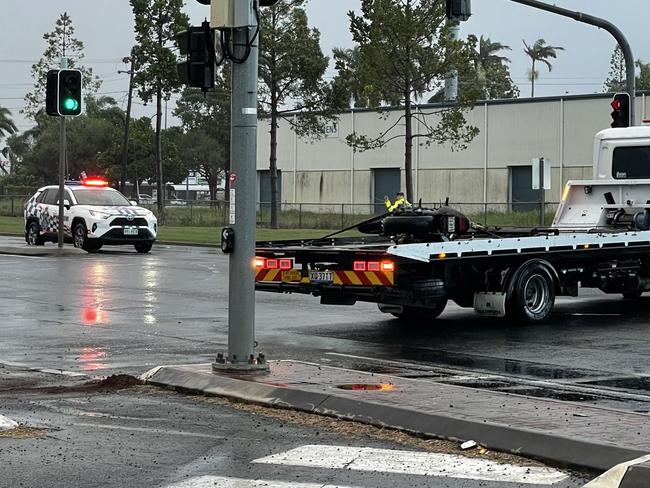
{"type": "Point", "coordinates": [494, 169]}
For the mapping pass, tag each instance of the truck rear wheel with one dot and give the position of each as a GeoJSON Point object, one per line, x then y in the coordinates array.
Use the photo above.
{"type": "Point", "coordinates": [420, 314]}
{"type": "Point", "coordinates": [532, 294]}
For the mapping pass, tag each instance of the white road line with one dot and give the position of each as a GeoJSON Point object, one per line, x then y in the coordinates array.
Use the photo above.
{"type": "Point", "coordinates": [6, 423]}
{"type": "Point", "coordinates": [225, 482]}
{"type": "Point", "coordinates": [412, 463]}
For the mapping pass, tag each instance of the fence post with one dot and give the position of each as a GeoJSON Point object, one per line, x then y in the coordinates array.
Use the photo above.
{"type": "Point", "coordinates": [191, 212]}
{"type": "Point", "coordinates": [342, 215]}
{"type": "Point", "coordinates": [300, 215]}
{"type": "Point", "coordinates": [485, 222]}
{"type": "Point", "coordinates": [13, 214]}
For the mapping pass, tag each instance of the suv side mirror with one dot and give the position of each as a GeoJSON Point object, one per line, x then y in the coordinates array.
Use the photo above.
{"type": "Point", "coordinates": [66, 204]}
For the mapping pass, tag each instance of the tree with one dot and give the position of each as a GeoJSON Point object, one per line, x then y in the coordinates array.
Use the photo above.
{"type": "Point", "coordinates": [617, 77]}
{"type": "Point", "coordinates": [643, 78]}
{"type": "Point", "coordinates": [60, 43]}
{"type": "Point", "coordinates": [347, 85]}
{"type": "Point", "coordinates": [539, 52]}
{"type": "Point", "coordinates": [7, 126]}
{"type": "Point", "coordinates": [291, 72]}
{"type": "Point", "coordinates": [492, 73]}
{"type": "Point", "coordinates": [156, 23]}
{"type": "Point", "coordinates": [206, 122]}
{"type": "Point", "coordinates": [406, 51]}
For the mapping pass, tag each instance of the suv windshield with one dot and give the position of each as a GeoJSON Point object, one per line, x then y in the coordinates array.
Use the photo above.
{"type": "Point", "coordinates": [94, 196]}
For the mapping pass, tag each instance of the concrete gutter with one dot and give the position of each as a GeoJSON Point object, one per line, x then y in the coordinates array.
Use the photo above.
{"type": "Point", "coordinates": [494, 420]}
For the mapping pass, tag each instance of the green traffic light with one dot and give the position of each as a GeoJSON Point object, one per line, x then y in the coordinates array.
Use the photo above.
{"type": "Point", "coordinates": [70, 104]}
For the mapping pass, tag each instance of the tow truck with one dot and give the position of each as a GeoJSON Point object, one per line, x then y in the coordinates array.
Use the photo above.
{"type": "Point", "coordinates": [412, 262]}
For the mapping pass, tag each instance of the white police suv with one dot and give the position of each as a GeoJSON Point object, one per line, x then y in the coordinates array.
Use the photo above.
{"type": "Point", "coordinates": [94, 215]}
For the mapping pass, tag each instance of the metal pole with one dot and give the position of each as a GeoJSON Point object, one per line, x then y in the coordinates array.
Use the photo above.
{"type": "Point", "coordinates": [129, 105]}
{"type": "Point", "coordinates": [62, 151]}
{"type": "Point", "coordinates": [609, 27]}
{"type": "Point", "coordinates": [451, 83]}
{"type": "Point", "coordinates": [243, 149]}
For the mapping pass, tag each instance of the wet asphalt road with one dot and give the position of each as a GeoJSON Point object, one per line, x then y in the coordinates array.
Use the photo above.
{"type": "Point", "coordinates": [118, 311]}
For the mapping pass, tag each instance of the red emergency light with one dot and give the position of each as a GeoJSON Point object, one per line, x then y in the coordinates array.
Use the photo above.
{"type": "Point", "coordinates": [96, 182]}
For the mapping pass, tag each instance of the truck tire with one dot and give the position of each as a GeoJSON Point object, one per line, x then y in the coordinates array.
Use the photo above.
{"type": "Point", "coordinates": [417, 315]}
{"type": "Point", "coordinates": [532, 294]}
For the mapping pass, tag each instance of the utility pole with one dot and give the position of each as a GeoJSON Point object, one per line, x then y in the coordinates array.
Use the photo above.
{"type": "Point", "coordinates": [125, 143]}
{"type": "Point", "coordinates": [451, 82]}
{"type": "Point", "coordinates": [244, 52]}
{"type": "Point", "coordinates": [609, 27]}
{"type": "Point", "coordinates": [62, 168]}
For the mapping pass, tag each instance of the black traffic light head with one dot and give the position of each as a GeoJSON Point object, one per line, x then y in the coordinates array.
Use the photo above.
{"type": "Point", "coordinates": [268, 3]}
{"type": "Point", "coordinates": [621, 110]}
{"type": "Point", "coordinates": [197, 43]}
{"type": "Point", "coordinates": [69, 99]}
{"type": "Point", "coordinates": [459, 10]}
{"type": "Point", "coordinates": [52, 93]}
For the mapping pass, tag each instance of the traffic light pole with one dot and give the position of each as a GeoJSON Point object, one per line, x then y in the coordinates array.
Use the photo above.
{"type": "Point", "coordinates": [609, 27]}
{"type": "Point", "coordinates": [62, 150]}
{"type": "Point", "coordinates": [243, 180]}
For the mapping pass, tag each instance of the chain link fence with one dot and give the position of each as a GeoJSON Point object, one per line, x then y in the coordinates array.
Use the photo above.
{"type": "Point", "coordinates": [206, 213]}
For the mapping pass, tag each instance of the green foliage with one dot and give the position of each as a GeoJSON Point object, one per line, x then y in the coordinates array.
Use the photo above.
{"type": "Point", "coordinates": [206, 122]}
{"type": "Point", "coordinates": [617, 77]}
{"type": "Point", "coordinates": [490, 72]}
{"type": "Point", "coordinates": [7, 126]}
{"type": "Point", "coordinates": [156, 23]}
{"type": "Point", "coordinates": [291, 72]}
{"type": "Point", "coordinates": [539, 52]}
{"type": "Point", "coordinates": [60, 42]}
{"type": "Point", "coordinates": [406, 51]}
{"type": "Point", "coordinates": [347, 86]}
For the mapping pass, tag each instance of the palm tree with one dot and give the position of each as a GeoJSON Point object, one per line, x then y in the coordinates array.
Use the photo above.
{"type": "Point", "coordinates": [7, 126]}
{"type": "Point", "coordinates": [540, 52]}
{"type": "Point", "coordinates": [487, 57]}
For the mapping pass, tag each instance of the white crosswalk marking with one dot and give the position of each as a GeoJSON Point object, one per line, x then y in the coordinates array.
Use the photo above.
{"type": "Point", "coordinates": [222, 482]}
{"type": "Point", "coordinates": [412, 463]}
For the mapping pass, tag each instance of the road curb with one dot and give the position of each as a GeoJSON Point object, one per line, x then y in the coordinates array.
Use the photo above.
{"type": "Point", "coordinates": [559, 451]}
{"type": "Point", "coordinates": [7, 424]}
{"type": "Point", "coordinates": [38, 251]}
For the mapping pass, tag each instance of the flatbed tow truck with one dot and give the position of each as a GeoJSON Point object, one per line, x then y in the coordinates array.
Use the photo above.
{"type": "Point", "coordinates": [411, 263]}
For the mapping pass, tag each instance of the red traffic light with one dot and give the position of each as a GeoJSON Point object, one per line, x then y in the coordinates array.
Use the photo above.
{"type": "Point", "coordinates": [617, 105]}
{"type": "Point", "coordinates": [621, 110]}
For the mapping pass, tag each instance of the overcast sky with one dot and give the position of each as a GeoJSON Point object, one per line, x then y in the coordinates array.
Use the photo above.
{"type": "Point", "coordinates": [106, 28]}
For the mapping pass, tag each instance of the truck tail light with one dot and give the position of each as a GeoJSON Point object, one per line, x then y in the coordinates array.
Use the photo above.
{"type": "Point", "coordinates": [386, 266]}
{"type": "Point", "coordinates": [283, 264]}
{"type": "Point", "coordinates": [374, 266]}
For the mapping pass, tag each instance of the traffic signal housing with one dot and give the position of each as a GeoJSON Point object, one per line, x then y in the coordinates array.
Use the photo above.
{"type": "Point", "coordinates": [268, 3]}
{"type": "Point", "coordinates": [458, 10]}
{"type": "Point", "coordinates": [63, 92]}
{"type": "Point", "coordinates": [69, 92]}
{"type": "Point", "coordinates": [621, 110]}
{"type": "Point", "coordinates": [52, 93]}
{"type": "Point", "coordinates": [197, 44]}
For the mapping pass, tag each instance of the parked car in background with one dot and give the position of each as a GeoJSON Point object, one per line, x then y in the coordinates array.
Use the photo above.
{"type": "Point", "coordinates": [144, 199]}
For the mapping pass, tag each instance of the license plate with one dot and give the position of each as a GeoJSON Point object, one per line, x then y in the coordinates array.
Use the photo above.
{"type": "Point", "coordinates": [321, 276]}
{"type": "Point", "coordinates": [130, 231]}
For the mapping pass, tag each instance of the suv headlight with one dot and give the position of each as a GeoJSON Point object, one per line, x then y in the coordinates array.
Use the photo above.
{"type": "Point", "coordinates": [98, 214]}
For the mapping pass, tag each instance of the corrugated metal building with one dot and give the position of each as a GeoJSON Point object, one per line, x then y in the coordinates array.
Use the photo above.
{"type": "Point", "coordinates": [495, 168]}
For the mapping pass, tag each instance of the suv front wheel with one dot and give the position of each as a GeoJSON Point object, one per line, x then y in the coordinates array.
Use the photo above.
{"type": "Point", "coordinates": [81, 241]}
{"type": "Point", "coordinates": [34, 237]}
{"type": "Point", "coordinates": [143, 247]}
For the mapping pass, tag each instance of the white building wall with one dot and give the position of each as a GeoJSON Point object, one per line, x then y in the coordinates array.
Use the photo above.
{"type": "Point", "coordinates": [327, 170]}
